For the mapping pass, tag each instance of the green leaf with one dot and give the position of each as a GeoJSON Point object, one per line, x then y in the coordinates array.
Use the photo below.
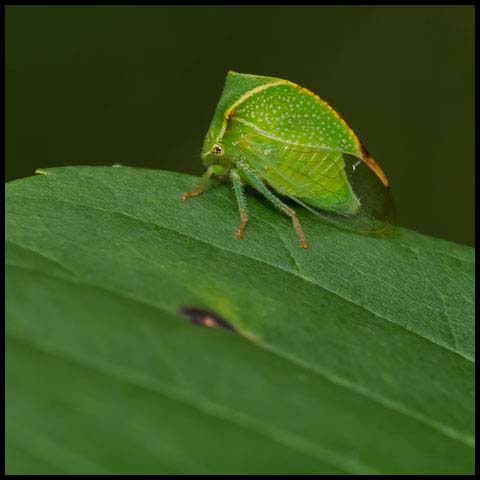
{"type": "Point", "coordinates": [353, 356]}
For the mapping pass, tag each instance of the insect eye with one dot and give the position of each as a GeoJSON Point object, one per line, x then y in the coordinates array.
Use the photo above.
{"type": "Point", "coordinates": [217, 149]}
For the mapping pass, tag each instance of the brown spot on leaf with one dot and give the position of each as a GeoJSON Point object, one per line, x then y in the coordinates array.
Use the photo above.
{"type": "Point", "coordinates": [204, 318]}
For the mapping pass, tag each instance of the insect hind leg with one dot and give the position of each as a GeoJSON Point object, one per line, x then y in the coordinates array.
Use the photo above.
{"type": "Point", "coordinates": [257, 183]}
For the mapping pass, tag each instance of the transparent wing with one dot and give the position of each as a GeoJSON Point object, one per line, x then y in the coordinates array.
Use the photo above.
{"type": "Point", "coordinates": [376, 215]}
{"type": "Point", "coordinates": [318, 178]}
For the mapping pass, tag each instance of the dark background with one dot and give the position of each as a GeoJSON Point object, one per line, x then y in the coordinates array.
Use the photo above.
{"type": "Point", "coordinates": [137, 85]}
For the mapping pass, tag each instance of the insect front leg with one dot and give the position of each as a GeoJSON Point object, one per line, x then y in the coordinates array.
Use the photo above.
{"type": "Point", "coordinates": [241, 200]}
{"type": "Point", "coordinates": [202, 184]}
{"type": "Point", "coordinates": [257, 183]}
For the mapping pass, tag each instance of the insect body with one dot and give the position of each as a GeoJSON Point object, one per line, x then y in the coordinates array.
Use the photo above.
{"type": "Point", "coordinates": [281, 138]}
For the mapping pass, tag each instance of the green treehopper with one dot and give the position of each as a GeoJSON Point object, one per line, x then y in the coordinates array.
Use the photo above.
{"type": "Point", "coordinates": [280, 138]}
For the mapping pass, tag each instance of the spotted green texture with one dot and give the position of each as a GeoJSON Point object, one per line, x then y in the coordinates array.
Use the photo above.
{"type": "Point", "coordinates": [284, 111]}
{"type": "Point", "coordinates": [355, 356]}
{"type": "Point", "coordinates": [291, 115]}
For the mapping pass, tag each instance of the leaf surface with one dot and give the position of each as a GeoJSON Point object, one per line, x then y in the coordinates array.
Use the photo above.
{"type": "Point", "coordinates": [353, 356]}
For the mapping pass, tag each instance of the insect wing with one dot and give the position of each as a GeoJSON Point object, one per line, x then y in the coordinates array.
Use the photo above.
{"type": "Point", "coordinates": [310, 174]}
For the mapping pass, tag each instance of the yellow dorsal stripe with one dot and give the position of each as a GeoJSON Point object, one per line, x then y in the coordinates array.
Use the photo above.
{"type": "Point", "coordinates": [228, 114]}
{"type": "Point", "coordinates": [251, 92]}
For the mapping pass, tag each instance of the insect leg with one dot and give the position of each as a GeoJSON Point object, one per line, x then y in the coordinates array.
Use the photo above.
{"type": "Point", "coordinates": [202, 184]}
{"type": "Point", "coordinates": [257, 183]}
{"type": "Point", "coordinates": [242, 202]}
